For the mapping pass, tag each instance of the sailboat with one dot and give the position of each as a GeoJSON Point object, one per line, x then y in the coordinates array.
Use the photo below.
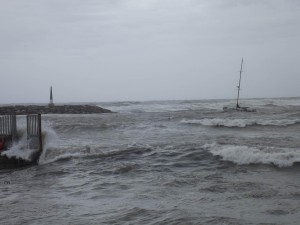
{"type": "Point", "coordinates": [237, 106]}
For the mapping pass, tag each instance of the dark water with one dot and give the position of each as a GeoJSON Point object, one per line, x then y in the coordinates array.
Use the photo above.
{"type": "Point", "coordinates": [173, 162]}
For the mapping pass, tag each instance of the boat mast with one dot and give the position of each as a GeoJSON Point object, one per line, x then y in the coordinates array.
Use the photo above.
{"type": "Point", "coordinates": [239, 86]}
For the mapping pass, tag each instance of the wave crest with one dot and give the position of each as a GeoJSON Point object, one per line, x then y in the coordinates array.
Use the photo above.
{"type": "Point", "coordinates": [243, 155]}
{"type": "Point", "coordinates": [218, 122]}
{"type": "Point", "coordinates": [53, 154]}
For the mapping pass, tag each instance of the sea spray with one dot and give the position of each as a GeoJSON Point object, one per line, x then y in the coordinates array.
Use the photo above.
{"type": "Point", "coordinates": [50, 139]}
{"type": "Point", "coordinates": [21, 150]}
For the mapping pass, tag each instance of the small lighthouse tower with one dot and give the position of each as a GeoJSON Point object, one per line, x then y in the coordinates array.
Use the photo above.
{"type": "Point", "coordinates": [51, 97]}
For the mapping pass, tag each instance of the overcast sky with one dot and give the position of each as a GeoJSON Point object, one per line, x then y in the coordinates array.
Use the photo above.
{"type": "Point", "coordinates": [118, 50]}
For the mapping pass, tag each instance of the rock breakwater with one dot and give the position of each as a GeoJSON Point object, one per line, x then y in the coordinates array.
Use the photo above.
{"type": "Point", "coordinates": [55, 109]}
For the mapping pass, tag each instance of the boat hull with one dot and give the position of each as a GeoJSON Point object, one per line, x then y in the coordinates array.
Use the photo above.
{"type": "Point", "coordinates": [238, 109]}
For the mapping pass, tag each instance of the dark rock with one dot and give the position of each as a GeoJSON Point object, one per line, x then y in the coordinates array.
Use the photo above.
{"type": "Point", "coordinates": [53, 109]}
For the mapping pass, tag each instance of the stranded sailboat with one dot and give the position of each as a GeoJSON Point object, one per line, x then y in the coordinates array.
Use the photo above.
{"type": "Point", "coordinates": [237, 106]}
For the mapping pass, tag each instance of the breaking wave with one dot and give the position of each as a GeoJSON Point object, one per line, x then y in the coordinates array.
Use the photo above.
{"type": "Point", "coordinates": [218, 122]}
{"type": "Point", "coordinates": [21, 150]}
{"type": "Point", "coordinates": [243, 155]}
{"type": "Point", "coordinates": [53, 154]}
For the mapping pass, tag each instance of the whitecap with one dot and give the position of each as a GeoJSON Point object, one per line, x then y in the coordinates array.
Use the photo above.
{"type": "Point", "coordinates": [219, 122]}
{"type": "Point", "coordinates": [243, 155]}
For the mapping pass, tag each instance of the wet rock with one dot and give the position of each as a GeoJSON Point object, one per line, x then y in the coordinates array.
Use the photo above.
{"type": "Point", "coordinates": [52, 109]}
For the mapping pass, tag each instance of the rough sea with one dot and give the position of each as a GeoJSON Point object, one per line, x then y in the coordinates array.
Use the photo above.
{"type": "Point", "coordinates": [161, 162]}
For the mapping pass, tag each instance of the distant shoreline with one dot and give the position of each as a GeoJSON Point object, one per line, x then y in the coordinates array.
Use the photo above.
{"type": "Point", "coordinates": [54, 109]}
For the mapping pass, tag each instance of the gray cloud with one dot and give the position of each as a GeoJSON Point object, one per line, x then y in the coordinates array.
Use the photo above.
{"type": "Point", "coordinates": [143, 50]}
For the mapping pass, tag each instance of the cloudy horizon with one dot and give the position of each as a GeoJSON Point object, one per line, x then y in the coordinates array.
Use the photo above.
{"type": "Point", "coordinates": [130, 50]}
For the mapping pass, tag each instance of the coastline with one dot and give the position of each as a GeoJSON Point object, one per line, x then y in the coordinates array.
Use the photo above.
{"type": "Point", "coordinates": [52, 109]}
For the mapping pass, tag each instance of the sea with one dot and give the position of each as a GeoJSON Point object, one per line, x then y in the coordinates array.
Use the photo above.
{"type": "Point", "coordinates": [161, 162]}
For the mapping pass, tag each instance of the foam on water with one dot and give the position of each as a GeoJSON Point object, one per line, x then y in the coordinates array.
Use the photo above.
{"type": "Point", "coordinates": [243, 155]}
{"type": "Point", "coordinates": [20, 149]}
{"type": "Point", "coordinates": [219, 122]}
{"type": "Point", "coordinates": [154, 168]}
{"type": "Point", "coordinates": [50, 139]}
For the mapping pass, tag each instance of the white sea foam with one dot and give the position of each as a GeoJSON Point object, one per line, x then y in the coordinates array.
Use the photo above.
{"type": "Point", "coordinates": [218, 122]}
{"type": "Point", "coordinates": [50, 142]}
{"type": "Point", "coordinates": [16, 152]}
{"type": "Point", "coordinates": [20, 149]}
{"type": "Point", "coordinates": [244, 155]}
